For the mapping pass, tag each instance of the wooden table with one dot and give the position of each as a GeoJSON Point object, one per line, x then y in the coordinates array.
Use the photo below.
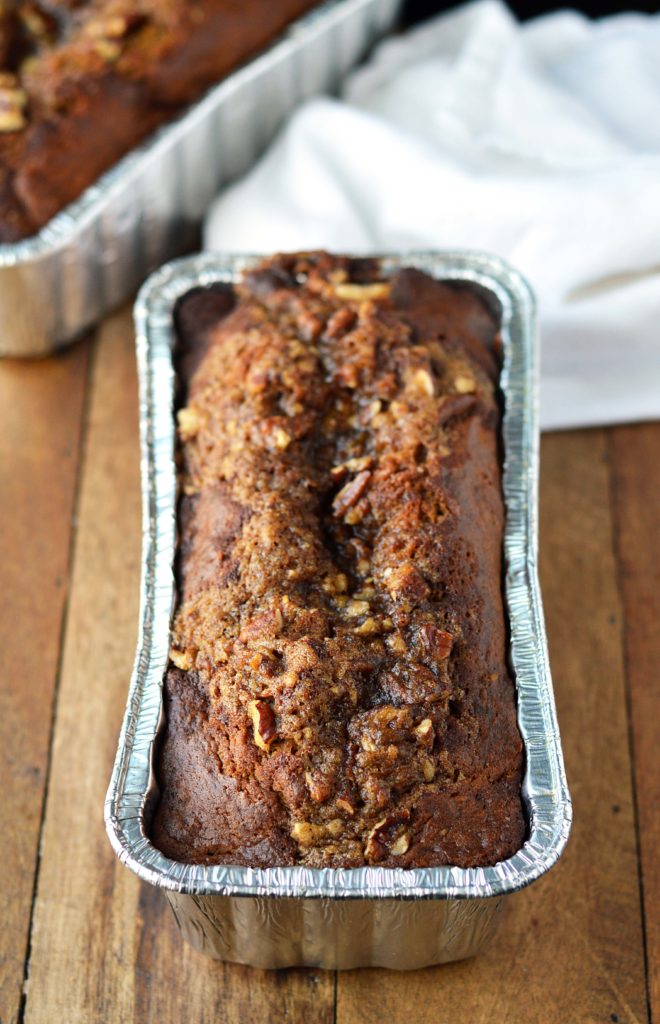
{"type": "Point", "coordinates": [84, 941]}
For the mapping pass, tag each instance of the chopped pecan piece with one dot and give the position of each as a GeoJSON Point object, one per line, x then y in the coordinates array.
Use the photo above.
{"type": "Point", "coordinates": [354, 516]}
{"type": "Point", "coordinates": [108, 49]}
{"type": "Point", "coordinates": [282, 439]}
{"type": "Point", "coordinates": [465, 385]}
{"type": "Point", "coordinates": [304, 832]}
{"type": "Point", "coordinates": [116, 26]}
{"type": "Point", "coordinates": [263, 723]}
{"type": "Point", "coordinates": [182, 659]}
{"type": "Point", "coordinates": [357, 608]}
{"type": "Point", "coordinates": [436, 642]}
{"type": "Point", "coordinates": [350, 292]}
{"type": "Point", "coordinates": [388, 838]}
{"type": "Point", "coordinates": [368, 627]}
{"type": "Point", "coordinates": [275, 435]}
{"type": "Point", "coordinates": [422, 380]}
{"type": "Point", "coordinates": [345, 805]}
{"type": "Point", "coordinates": [188, 422]}
{"type": "Point", "coordinates": [13, 101]}
{"type": "Point", "coordinates": [406, 582]}
{"type": "Point", "coordinates": [400, 845]}
{"type": "Point", "coordinates": [335, 584]}
{"type": "Point", "coordinates": [354, 465]}
{"type": "Point", "coordinates": [340, 322]}
{"type": "Point", "coordinates": [319, 788]}
{"type": "Point", "coordinates": [397, 644]}
{"type": "Point", "coordinates": [351, 493]}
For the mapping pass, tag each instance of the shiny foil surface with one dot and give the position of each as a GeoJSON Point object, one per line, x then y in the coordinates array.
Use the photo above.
{"type": "Point", "coordinates": [393, 917]}
{"type": "Point", "coordinates": [146, 209]}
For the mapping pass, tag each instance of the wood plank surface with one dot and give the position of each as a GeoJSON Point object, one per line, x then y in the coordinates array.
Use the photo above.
{"type": "Point", "coordinates": [635, 457]}
{"type": "Point", "coordinates": [104, 947]}
{"type": "Point", "coordinates": [569, 949]}
{"type": "Point", "coordinates": [41, 406]}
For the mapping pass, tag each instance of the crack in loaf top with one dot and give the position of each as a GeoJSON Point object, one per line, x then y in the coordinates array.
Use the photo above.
{"type": "Point", "coordinates": [338, 691]}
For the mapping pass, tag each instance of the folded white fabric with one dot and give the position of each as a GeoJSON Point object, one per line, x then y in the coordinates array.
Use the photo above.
{"type": "Point", "coordinates": [539, 142]}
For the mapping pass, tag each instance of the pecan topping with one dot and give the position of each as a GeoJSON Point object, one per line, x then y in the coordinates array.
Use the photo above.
{"type": "Point", "coordinates": [304, 832]}
{"type": "Point", "coordinates": [368, 627]}
{"type": "Point", "coordinates": [108, 50]}
{"type": "Point", "coordinates": [405, 582]}
{"type": "Point", "coordinates": [13, 101]}
{"type": "Point", "coordinates": [263, 723]}
{"type": "Point", "coordinates": [350, 292]}
{"type": "Point", "coordinates": [400, 845]}
{"type": "Point", "coordinates": [109, 34]}
{"type": "Point", "coordinates": [351, 493]}
{"type": "Point", "coordinates": [465, 385]}
{"type": "Point", "coordinates": [340, 322]}
{"type": "Point", "coordinates": [422, 381]}
{"type": "Point", "coordinates": [357, 608]}
{"type": "Point", "coordinates": [437, 642]}
{"type": "Point", "coordinates": [281, 438]}
{"type": "Point", "coordinates": [124, 25]}
{"type": "Point", "coordinates": [336, 584]}
{"type": "Point", "coordinates": [275, 435]}
{"type": "Point", "coordinates": [116, 26]}
{"type": "Point", "coordinates": [388, 838]}
{"type": "Point", "coordinates": [189, 423]}
{"type": "Point", "coordinates": [345, 805]}
{"type": "Point", "coordinates": [182, 659]}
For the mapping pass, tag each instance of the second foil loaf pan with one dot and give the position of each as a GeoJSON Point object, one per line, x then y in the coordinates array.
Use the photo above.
{"type": "Point", "coordinates": [94, 254]}
{"type": "Point", "coordinates": [340, 917]}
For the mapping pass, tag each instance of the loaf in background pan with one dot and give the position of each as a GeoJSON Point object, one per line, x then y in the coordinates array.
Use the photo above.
{"type": "Point", "coordinates": [83, 81]}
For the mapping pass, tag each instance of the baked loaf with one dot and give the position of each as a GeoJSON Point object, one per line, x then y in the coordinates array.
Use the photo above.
{"type": "Point", "coordinates": [338, 692]}
{"type": "Point", "coordinates": [83, 81]}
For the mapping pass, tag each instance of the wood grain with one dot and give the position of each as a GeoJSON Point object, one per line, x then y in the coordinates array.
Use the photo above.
{"type": "Point", "coordinates": [570, 947]}
{"type": "Point", "coordinates": [104, 947]}
{"type": "Point", "coordinates": [635, 458]}
{"type": "Point", "coordinates": [41, 406]}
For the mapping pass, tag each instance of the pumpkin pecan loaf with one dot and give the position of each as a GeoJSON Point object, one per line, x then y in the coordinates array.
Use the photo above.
{"type": "Point", "coordinates": [338, 692]}
{"type": "Point", "coordinates": [83, 81]}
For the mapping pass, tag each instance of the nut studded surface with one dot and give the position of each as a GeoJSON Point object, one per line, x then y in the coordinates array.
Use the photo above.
{"type": "Point", "coordinates": [338, 693]}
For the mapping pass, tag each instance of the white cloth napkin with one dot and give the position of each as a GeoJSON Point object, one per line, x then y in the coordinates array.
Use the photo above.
{"type": "Point", "coordinates": [539, 142]}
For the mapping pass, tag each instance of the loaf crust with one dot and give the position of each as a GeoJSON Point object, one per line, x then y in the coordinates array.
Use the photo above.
{"type": "Point", "coordinates": [83, 81]}
{"type": "Point", "coordinates": [338, 692]}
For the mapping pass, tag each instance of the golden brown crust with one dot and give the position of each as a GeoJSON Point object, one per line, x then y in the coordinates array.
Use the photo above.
{"type": "Point", "coordinates": [340, 579]}
{"type": "Point", "coordinates": [81, 83]}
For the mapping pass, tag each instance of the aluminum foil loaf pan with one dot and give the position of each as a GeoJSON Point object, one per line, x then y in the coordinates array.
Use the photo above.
{"type": "Point", "coordinates": [391, 917]}
{"type": "Point", "coordinates": [94, 254]}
